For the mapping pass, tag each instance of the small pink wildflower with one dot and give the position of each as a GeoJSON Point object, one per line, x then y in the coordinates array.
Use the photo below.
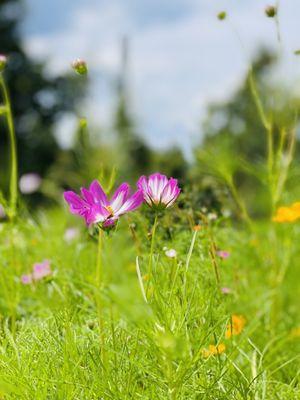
{"type": "Point", "coordinates": [223, 254]}
{"type": "Point", "coordinates": [226, 290]}
{"type": "Point", "coordinates": [39, 271]}
{"type": "Point", "coordinates": [26, 279]}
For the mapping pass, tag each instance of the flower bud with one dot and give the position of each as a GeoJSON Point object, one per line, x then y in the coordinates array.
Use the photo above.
{"type": "Point", "coordinates": [80, 66]}
{"type": "Point", "coordinates": [271, 11]}
{"type": "Point", "coordinates": [222, 15]}
{"type": "Point", "coordinates": [3, 62]}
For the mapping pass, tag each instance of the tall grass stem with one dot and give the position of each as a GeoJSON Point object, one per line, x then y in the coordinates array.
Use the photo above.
{"type": "Point", "coordinates": [13, 185]}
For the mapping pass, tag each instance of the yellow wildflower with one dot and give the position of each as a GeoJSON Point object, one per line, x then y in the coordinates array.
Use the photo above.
{"type": "Point", "coordinates": [197, 228]}
{"type": "Point", "coordinates": [288, 213]}
{"type": "Point", "coordinates": [235, 326]}
{"type": "Point", "coordinates": [214, 350]}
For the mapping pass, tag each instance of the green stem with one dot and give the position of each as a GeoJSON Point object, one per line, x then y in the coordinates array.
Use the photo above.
{"type": "Point", "coordinates": [212, 252]}
{"type": "Point", "coordinates": [270, 139]}
{"type": "Point", "coordinates": [99, 271]}
{"type": "Point", "coordinates": [99, 283]}
{"type": "Point", "coordinates": [13, 187]}
{"type": "Point", "coordinates": [240, 203]}
{"type": "Point", "coordinates": [257, 101]}
{"type": "Point", "coordinates": [188, 259]}
{"type": "Point", "coordinates": [151, 250]}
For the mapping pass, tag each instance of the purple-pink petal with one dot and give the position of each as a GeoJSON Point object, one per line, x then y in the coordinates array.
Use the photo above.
{"type": "Point", "coordinates": [98, 193]}
{"type": "Point", "coordinates": [132, 203]}
{"type": "Point", "coordinates": [87, 195]}
{"type": "Point", "coordinates": [75, 202]}
{"type": "Point", "coordinates": [120, 196]}
{"type": "Point", "coordinates": [96, 214]}
{"type": "Point", "coordinates": [95, 207]}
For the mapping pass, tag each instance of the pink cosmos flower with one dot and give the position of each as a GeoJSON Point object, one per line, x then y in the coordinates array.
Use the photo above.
{"type": "Point", "coordinates": [94, 206]}
{"type": "Point", "coordinates": [159, 191]}
{"type": "Point", "coordinates": [223, 254]}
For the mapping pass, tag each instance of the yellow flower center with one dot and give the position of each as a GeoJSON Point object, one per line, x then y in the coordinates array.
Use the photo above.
{"type": "Point", "coordinates": [110, 210]}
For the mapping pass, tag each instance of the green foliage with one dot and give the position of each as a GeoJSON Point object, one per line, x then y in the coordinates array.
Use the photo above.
{"type": "Point", "coordinates": [37, 98]}
{"type": "Point", "coordinates": [50, 339]}
{"type": "Point", "coordinates": [249, 141]}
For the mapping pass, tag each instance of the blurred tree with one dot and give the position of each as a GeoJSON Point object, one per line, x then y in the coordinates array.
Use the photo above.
{"type": "Point", "coordinates": [234, 147]}
{"type": "Point", "coordinates": [37, 99]}
{"type": "Point", "coordinates": [134, 153]}
{"type": "Point", "coordinates": [135, 156]}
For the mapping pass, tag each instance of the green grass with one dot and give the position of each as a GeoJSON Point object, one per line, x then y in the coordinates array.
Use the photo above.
{"type": "Point", "coordinates": [51, 346]}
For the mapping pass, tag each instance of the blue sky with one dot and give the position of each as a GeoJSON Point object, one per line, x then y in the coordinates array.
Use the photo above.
{"type": "Point", "coordinates": [181, 56]}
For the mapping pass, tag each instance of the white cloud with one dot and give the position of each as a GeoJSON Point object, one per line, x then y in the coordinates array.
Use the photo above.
{"type": "Point", "coordinates": [177, 65]}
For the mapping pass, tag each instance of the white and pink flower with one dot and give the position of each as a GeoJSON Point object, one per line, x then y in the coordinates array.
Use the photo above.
{"type": "Point", "coordinates": [159, 191]}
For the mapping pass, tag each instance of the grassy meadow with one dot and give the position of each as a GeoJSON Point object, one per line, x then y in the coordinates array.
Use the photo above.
{"type": "Point", "coordinates": [197, 301]}
{"type": "Point", "coordinates": [212, 327]}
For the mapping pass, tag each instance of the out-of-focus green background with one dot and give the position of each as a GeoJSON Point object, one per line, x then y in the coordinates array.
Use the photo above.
{"type": "Point", "coordinates": [197, 124]}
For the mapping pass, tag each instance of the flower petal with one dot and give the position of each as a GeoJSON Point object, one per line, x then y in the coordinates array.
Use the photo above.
{"type": "Point", "coordinates": [77, 205]}
{"type": "Point", "coordinates": [87, 195]}
{"type": "Point", "coordinates": [170, 192]}
{"type": "Point", "coordinates": [132, 203]}
{"type": "Point", "coordinates": [98, 193]}
{"type": "Point", "coordinates": [119, 197]}
{"type": "Point", "coordinates": [96, 214]}
{"type": "Point", "coordinates": [156, 185]}
{"type": "Point", "coordinates": [142, 184]}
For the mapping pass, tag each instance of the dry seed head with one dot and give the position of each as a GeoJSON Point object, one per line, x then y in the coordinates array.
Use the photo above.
{"type": "Point", "coordinates": [222, 15]}
{"type": "Point", "coordinates": [80, 66]}
{"type": "Point", "coordinates": [3, 62]}
{"type": "Point", "coordinates": [271, 11]}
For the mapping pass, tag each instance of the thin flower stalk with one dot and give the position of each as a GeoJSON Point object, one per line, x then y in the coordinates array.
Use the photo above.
{"type": "Point", "coordinates": [140, 279]}
{"type": "Point", "coordinates": [188, 259]}
{"type": "Point", "coordinates": [13, 186]}
{"type": "Point", "coordinates": [150, 262]}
